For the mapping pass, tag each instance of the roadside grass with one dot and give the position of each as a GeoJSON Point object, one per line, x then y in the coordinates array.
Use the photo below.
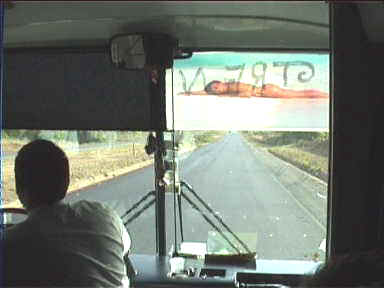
{"type": "Point", "coordinates": [310, 162]}
{"type": "Point", "coordinates": [308, 152]}
{"type": "Point", "coordinates": [10, 145]}
{"type": "Point", "coordinates": [86, 167]}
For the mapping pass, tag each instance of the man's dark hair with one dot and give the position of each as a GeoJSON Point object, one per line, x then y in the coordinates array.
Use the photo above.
{"type": "Point", "coordinates": [42, 171]}
{"type": "Point", "coordinates": [208, 87]}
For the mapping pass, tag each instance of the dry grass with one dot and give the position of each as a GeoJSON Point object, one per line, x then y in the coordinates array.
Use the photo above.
{"type": "Point", "coordinates": [310, 156]}
{"type": "Point", "coordinates": [307, 161]}
{"type": "Point", "coordinates": [207, 137]}
{"type": "Point", "coordinates": [86, 168]}
{"type": "Point", "coordinates": [12, 146]}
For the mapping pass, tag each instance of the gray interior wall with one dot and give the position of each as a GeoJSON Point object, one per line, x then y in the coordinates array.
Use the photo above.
{"type": "Point", "coordinates": [374, 192]}
{"type": "Point", "coordinates": [73, 91]}
{"type": "Point", "coordinates": [355, 94]}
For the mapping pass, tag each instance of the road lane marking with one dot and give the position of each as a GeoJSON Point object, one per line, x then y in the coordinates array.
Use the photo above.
{"type": "Point", "coordinates": [300, 204]}
{"type": "Point", "coordinates": [264, 151]}
{"type": "Point", "coordinates": [310, 214]}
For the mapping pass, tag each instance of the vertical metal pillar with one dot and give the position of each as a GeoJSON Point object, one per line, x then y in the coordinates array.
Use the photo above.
{"type": "Point", "coordinates": [2, 22]}
{"type": "Point", "coordinates": [160, 195]}
{"type": "Point", "coordinates": [1, 126]}
{"type": "Point", "coordinates": [159, 125]}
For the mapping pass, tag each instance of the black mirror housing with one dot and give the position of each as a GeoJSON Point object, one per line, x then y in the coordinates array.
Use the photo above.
{"type": "Point", "coordinates": [137, 51]}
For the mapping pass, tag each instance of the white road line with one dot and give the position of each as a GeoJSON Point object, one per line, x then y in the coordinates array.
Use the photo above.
{"type": "Point", "coordinates": [300, 204]}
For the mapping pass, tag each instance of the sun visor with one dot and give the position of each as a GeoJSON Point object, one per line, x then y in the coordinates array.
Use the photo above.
{"type": "Point", "coordinates": [74, 91]}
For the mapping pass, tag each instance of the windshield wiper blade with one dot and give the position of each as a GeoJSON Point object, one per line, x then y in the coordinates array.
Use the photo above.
{"type": "Point", "coordinates": [134, 206]}
{"type": "Point", "coordinates": [218, 218]}
{"type": "Point", "coordinates": [210, 222]}
{"type": "Point", "coordinates": [194, 206]}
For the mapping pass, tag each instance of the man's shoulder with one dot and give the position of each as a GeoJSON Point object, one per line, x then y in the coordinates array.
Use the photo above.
{"type": "Point", "coordinates": [90, 204]}
{"type": "Point", "coordinates": [97, 214]}
{"type": "Point", "coordinates": [94, 208]}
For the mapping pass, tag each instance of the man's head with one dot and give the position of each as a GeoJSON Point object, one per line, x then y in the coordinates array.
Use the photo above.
{"type": "Point", "coordinates": [42, 174]}
{"type": "Point", "coordinates": [216, 87]}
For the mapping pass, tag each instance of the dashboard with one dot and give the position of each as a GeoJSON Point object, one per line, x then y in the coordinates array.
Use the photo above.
{"type": "Point", "coordinates": [154, 271]}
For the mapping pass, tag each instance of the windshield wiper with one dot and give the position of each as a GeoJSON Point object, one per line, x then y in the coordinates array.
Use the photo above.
{"type": "Point", "coordinates": [218, 218]}
{"type": "Point", "coordinates": [194, 206]}
{"type": "Point", "coordinates": [137, 204]}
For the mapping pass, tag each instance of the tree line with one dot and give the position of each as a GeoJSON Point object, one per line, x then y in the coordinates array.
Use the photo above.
{"type": "Point", "coordinates": [79, 137]}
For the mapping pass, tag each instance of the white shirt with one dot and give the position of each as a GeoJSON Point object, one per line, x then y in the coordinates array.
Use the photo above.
{"type": "Point", "coordinates": [79, 244]}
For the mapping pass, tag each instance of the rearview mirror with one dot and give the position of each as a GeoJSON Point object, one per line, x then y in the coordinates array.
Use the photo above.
{"type": "Point", "coordinates": [136, 51]}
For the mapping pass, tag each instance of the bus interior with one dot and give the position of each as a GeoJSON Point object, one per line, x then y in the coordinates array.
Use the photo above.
{"type": "Point", "coordinates": [238, 140]}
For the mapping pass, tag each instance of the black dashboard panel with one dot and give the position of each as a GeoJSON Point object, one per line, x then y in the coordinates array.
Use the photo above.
{"type": "Point", "coordinates": [154, 271]}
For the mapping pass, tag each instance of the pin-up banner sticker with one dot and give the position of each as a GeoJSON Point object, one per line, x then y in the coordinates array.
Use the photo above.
{"type": "Point", "coordinates": [249, 91]}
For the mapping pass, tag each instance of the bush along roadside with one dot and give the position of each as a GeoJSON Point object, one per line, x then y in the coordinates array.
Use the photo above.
{"type": "Point", "coordinates": [306, 150]}
{"type": "Point", "coordinates": [202, 138]}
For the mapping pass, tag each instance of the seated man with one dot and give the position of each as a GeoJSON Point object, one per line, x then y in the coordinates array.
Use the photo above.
{"type": "Point", "coordinates": [60, 244]}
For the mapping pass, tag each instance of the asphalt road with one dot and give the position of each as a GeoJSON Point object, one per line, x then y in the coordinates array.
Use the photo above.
{"type": "Point", "coordinates": [240, 189]}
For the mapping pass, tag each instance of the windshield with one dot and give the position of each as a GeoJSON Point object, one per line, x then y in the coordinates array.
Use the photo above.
{"type": "Point", "coordinates": [248, 154]}
{"type": "Point", "coordinates": [252, 162]}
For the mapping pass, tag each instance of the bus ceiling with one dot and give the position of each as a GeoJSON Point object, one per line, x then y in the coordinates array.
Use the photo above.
{"type": "Point", "coordinates": [208, 25]}
{"type": "Point", "coordinates": [197, 25]}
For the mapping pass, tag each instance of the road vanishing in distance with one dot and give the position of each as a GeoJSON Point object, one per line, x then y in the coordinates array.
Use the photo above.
{"type": "Point", "coordinates": [239, 187]}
